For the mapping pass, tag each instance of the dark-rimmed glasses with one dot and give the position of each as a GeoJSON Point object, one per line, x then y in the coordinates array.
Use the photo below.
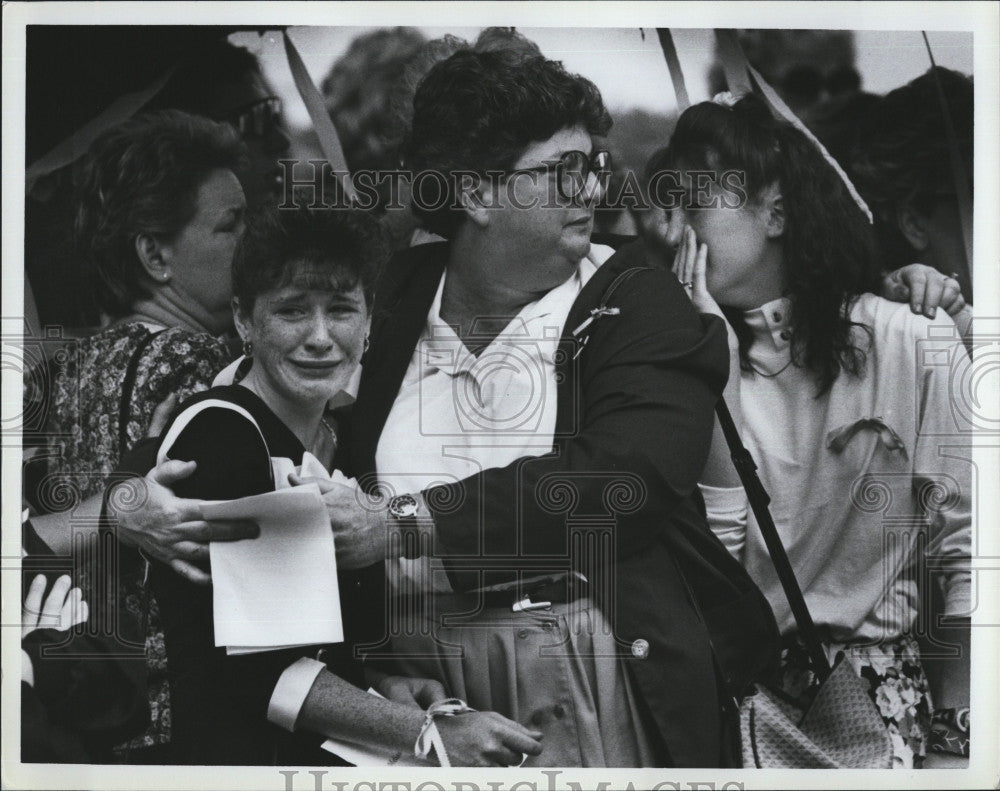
{"type": "Point", "coordinates": [257, 118]}
{"type": "Point", "coordinates": [572, 170]}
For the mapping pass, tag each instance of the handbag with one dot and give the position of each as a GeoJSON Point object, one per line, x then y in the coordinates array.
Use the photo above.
{"type": "Point", "coordinates": [839, 727]}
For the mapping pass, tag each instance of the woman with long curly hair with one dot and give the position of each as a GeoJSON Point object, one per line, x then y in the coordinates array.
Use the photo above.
{"type": "Point", "coordinates": [836, 402]}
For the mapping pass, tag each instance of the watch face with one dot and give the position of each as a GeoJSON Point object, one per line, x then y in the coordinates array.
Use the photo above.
{"type": "Point", "coordinates": [403, 506]}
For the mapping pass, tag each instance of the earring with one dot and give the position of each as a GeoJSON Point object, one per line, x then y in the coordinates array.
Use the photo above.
{"type": "Point", "coordinates": [368, 343]}
{"type": "Point", "coordinates": [248, 348]}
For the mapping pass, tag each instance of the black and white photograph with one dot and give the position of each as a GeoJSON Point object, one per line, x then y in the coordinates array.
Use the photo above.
{"type": "Point", "coordinates": [501, 396]}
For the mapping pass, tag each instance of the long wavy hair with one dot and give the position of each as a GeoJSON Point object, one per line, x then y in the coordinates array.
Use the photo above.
{"type": "Point", "coordinates": [828, 246]}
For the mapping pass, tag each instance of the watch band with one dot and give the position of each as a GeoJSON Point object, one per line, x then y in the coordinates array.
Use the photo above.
{"type": "Point", "coordinates": [403, 509]}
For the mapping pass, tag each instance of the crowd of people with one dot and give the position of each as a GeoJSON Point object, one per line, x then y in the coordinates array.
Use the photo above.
{"type": "Point", "coordinates": [549, 558]}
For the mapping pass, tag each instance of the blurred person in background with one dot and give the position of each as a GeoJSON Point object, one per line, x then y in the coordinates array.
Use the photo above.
{"type": "Point", "coordinates": [903, 166]}
{"type": "Point", "coordinates": [224, 82]}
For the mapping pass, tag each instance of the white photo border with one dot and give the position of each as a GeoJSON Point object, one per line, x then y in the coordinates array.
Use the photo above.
{"type": "Point", "coordinates": [979, 18]}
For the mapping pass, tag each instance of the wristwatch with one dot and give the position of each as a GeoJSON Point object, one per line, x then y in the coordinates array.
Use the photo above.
{"type": "Point", "coordinates": [403, 508]}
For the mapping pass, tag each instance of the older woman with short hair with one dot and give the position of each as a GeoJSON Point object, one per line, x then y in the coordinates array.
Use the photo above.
{"type": "Point", "coordinates": [159, 213]}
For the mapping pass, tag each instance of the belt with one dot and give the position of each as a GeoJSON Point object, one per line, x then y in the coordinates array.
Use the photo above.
{"type": "Point", "coordinates": [540, 595]}
{"type": "Point", "coordinates": [536, 596]}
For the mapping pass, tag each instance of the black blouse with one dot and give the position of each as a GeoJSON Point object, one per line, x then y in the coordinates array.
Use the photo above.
{"type": "Point", "coordinates": [219, 702]}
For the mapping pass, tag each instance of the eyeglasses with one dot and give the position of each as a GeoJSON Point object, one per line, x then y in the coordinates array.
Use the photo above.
{"type": "Point", "coordinates": [258, 118]}
{"type": "Point", "coordinates": [572, 170]}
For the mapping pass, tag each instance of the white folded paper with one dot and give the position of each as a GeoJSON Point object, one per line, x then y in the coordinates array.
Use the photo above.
{"type": "Point", "coordinates": [311, 467]}
{"type": "Point", "coordinates": [280, 589]}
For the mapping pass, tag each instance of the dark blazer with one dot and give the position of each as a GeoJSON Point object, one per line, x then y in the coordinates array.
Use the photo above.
{"type": "Point", "coordinates": [633, 427]}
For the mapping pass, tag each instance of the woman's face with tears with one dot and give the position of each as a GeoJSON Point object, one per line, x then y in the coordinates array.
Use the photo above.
{"type": "Point", "coordinates": [308, 334]}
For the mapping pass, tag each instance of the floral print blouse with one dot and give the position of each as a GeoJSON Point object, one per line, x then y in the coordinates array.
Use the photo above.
{"type": "Point", "coordinates": [87, 391]}
{"type": "Point", "coordinates": [84, 448]}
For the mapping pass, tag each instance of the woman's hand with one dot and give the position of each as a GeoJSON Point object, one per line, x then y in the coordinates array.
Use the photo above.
{"type": "Point", "coordinates": [690, 264]}
{"type": "Point", "coordinates": [63, 609]}
{"type": "Point", "coordinates": [689, 267]}
{"type": "Point", "coordinates": [485, 738]}
{"type": "Point", "coordinates": [153, 519]}
{"type": "Point", "coordinates": [925, 289]}
{"type": "Point", "coordinates": [340, 710]}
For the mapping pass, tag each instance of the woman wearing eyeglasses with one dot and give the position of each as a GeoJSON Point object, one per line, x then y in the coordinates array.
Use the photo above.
{"type": "Point", "coordinates": [224, 82]}
{"type": "Point", "coordinates": [537, 489]}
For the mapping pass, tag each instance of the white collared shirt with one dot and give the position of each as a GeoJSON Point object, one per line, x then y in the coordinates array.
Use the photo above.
{"type": "Point", "coordinates": [457, 413]}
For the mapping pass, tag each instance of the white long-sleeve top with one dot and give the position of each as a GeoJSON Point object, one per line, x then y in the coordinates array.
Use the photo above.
{"type": "Point", "coordinates": [863, 479]}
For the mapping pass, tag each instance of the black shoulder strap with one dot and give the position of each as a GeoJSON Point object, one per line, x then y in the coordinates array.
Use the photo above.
{"type": "Point", "coordinates": [758, 497]}
{"type": "Point", "coordinates": [128, 385]}
{"type": "Point", "coordinates": [622, 276]}
{"type": "Point", "coordinates": [603, 309]}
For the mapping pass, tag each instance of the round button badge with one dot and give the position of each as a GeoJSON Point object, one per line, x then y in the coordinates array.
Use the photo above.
{"type": "Point", "coordinates": [640, 649]}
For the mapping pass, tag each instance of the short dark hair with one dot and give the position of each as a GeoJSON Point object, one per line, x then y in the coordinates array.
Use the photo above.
{"type": "Point", "coordinates": [349, 242]}
{"type": "Point", "coordinates": [506, 39]}
{"type": "Point", "coordinates": [142, 177]}
{"type": "Point", "coordinates": [478, 111]}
